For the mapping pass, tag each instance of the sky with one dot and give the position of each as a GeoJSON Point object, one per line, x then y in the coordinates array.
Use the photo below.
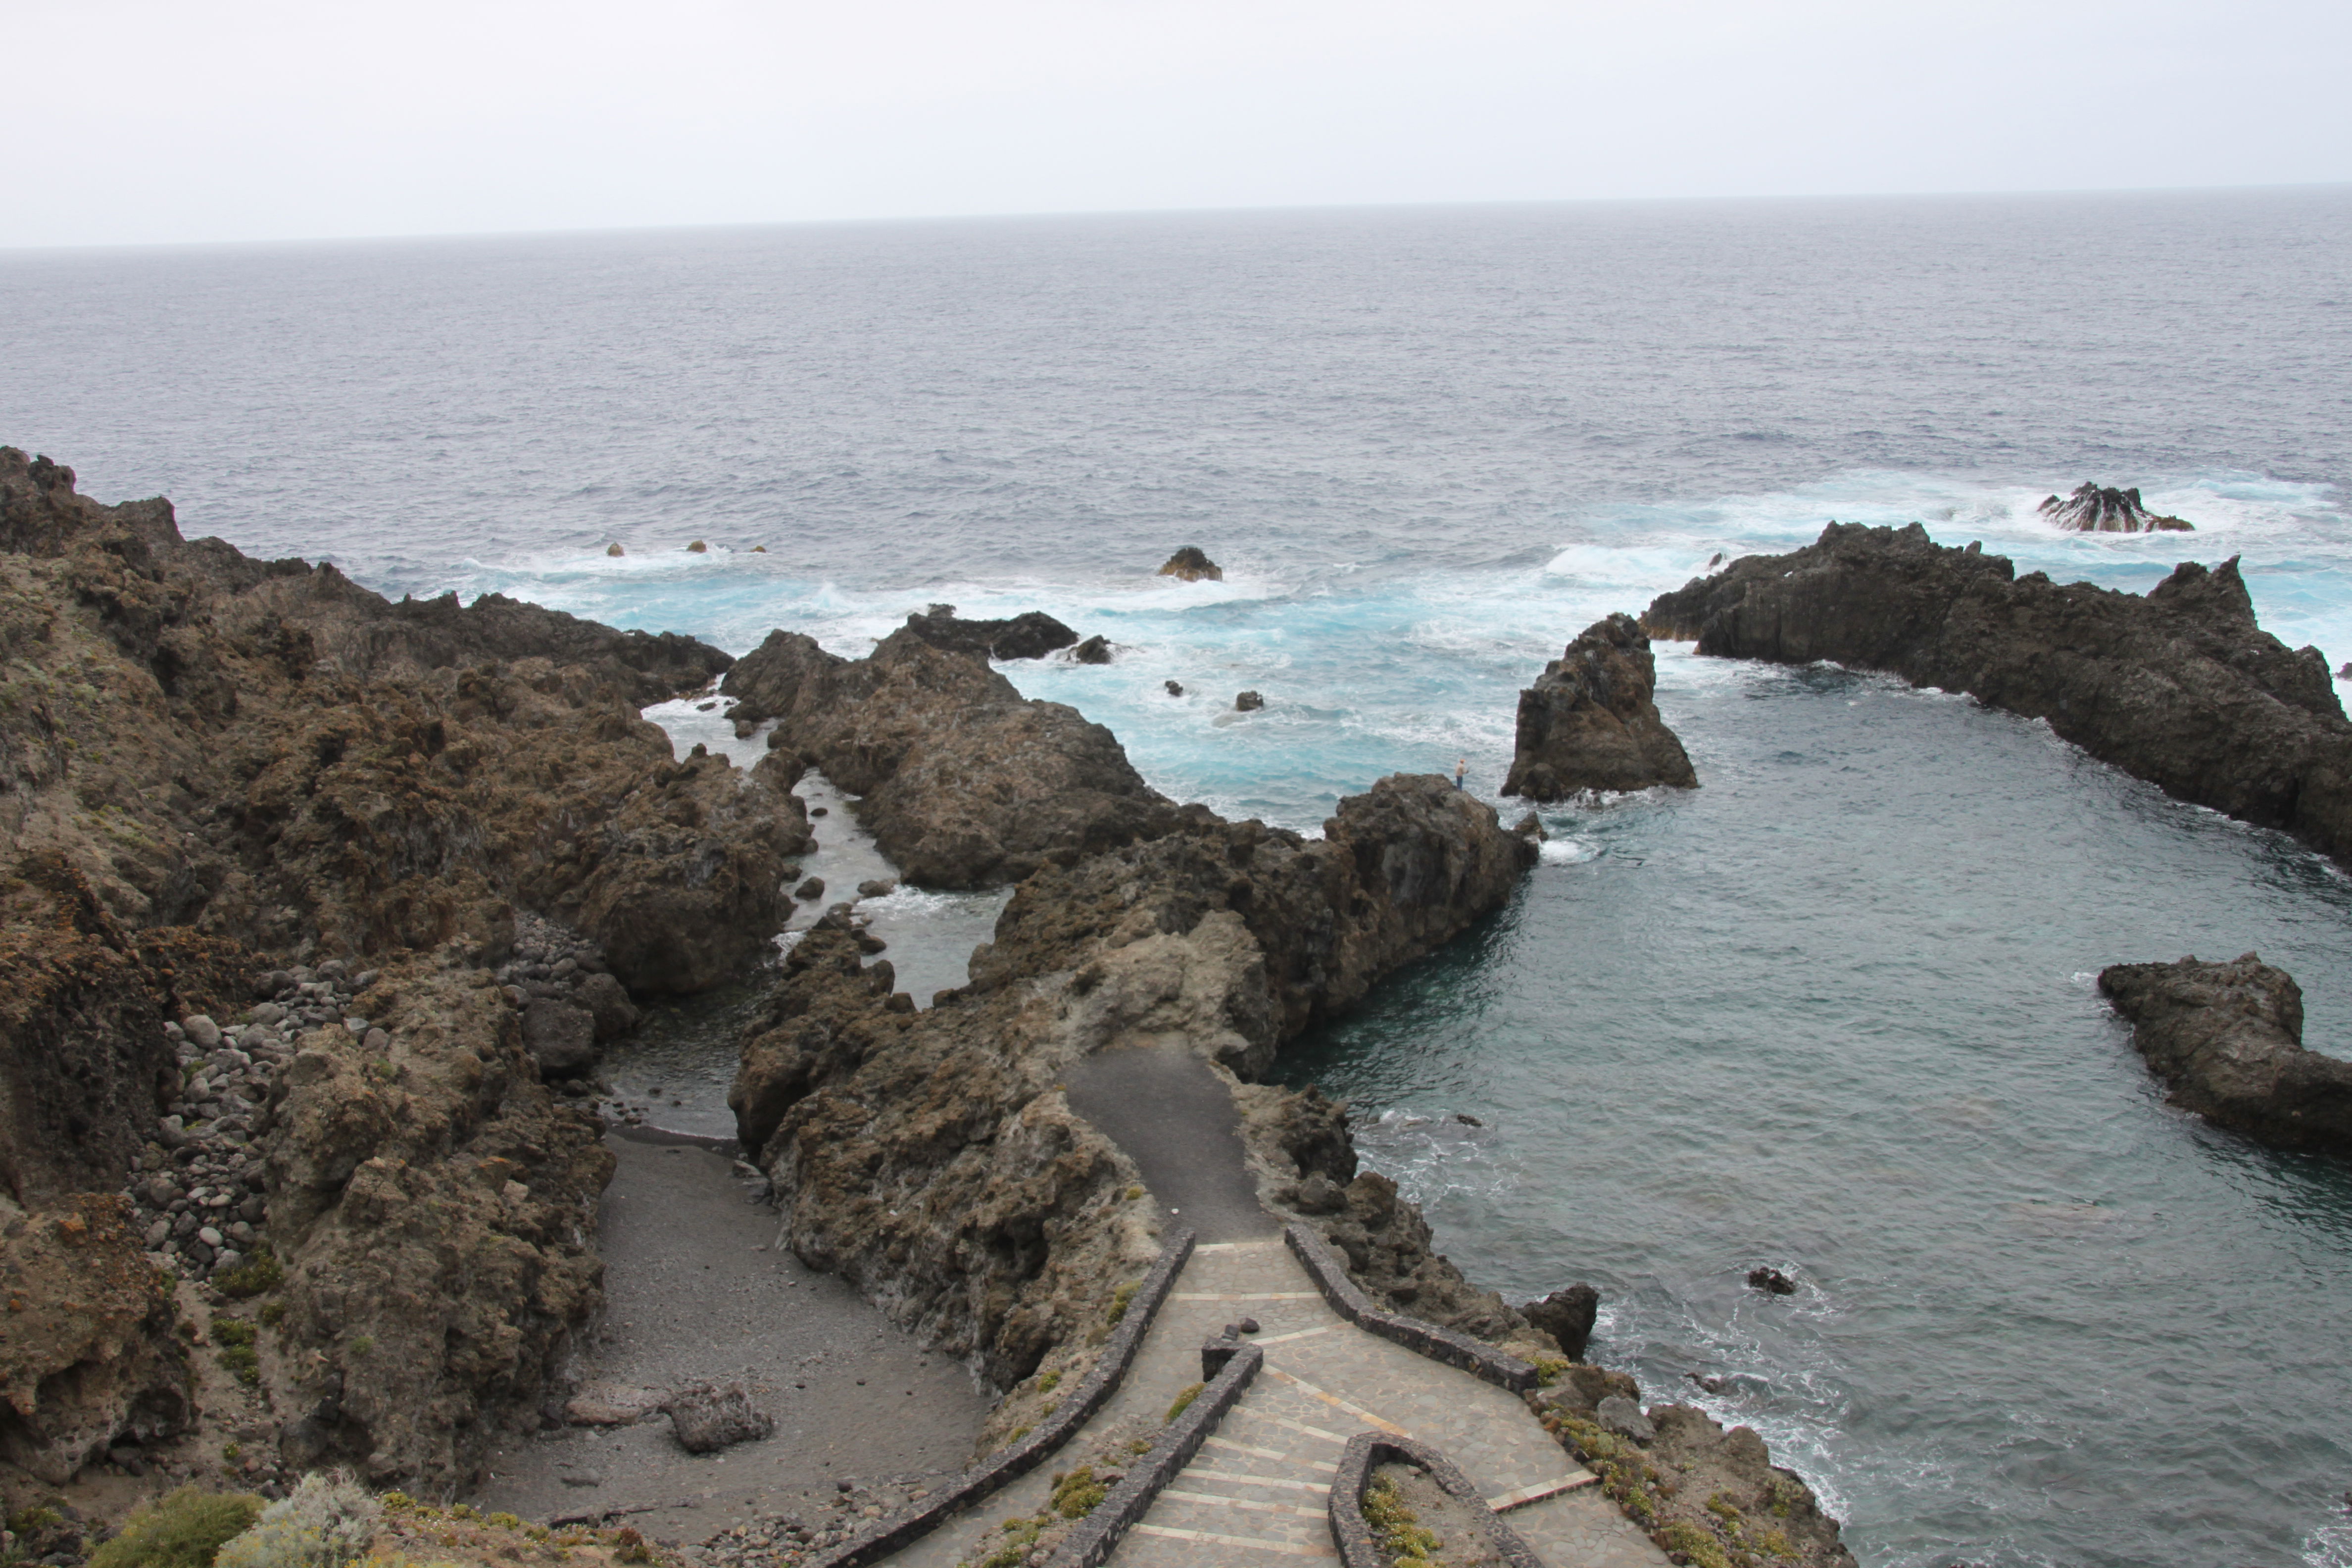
{"type": "Point", "coordinates": [146, 121]}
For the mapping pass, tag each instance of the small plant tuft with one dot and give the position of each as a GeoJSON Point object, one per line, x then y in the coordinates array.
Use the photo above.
{"type": "Point", "coordinates": [260, 1272]}
{"type": "Point", "coordinates": [1050, 1382]}
{"type": "Point", "coordinates": [327, 1521]}
{"type": "Point", "coordinates": [1120, 1299]}
{"type": "Point", "coordinates": [1404, 1540]}
{"type": "Point", "coordinates": [1191, 1392]}
{"type": "Point", "coordinates": [1078, 1494]}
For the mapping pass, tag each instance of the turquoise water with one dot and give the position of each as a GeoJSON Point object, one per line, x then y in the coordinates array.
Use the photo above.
{"type": "Point", "coordinates": [1830, 1011]}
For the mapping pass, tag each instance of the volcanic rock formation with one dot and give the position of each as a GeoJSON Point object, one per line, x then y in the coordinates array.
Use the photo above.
{"type": "Point", "coordinates": [2227, 1040]}
{"type": "Point", "coordinates": [2093, 509]}
{"type": "Point", "coordinates": [1589, 721]}
{"type": "Point", "coordinates": [218, 768]}
{"type": "Point", "coordinates": [928, 1156]}
{"type": "Point", "coordinates": [965, 781]}
{"type": "Point", "coordinates": [2181, 688]}
{"type": "Point", "coordinates": [1032, 635]}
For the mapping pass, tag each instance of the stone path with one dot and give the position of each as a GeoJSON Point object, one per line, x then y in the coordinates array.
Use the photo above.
{"type": "Point", "coordinates": [1255, 1493]}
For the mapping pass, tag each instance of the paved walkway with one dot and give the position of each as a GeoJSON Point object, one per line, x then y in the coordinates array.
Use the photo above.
{"type": "Point", "coordinates": [1255, 1493]}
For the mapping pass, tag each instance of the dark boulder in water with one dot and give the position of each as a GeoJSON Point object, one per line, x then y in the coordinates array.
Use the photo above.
{"type": "Point", "coordinates": [1192, 565]}
{"type": "Point", "coordinates": [1094, 651]}
{"type": "Point", "coordinates": [1567, 1316]}
{"type": "Point", "coordinates": [2096, 509]}
{"type": "Point", "coordinates": [1589, 723]}
{"type": "Point", "coordinates": [1032, 635]}
{"type": "Point", "coordinates": [2227, 1040]}
{"type": "Point", "coordinates": [1175, 688]}
{"type": "Point", "coordinates": [1248, 702]}
{"type": "Point", "coordinates": [2181, 688]}
{"type": "Point", "coordinates": [1772, 1281]}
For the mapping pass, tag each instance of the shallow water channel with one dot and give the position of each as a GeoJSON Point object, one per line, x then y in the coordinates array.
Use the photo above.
{"type": "Point", "coordinates": [1833, 1012]}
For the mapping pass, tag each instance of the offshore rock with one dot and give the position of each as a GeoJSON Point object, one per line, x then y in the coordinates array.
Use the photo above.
{"type": "Point", "coordinates": [2181, 688]}
{"type": "Point", "coordinates": [966, 782]}
{"type": "Point", "coordinates": [928, 1156]}
{"type": "Point", "coordinates": [1094, 651]}
{"type": "Point", "coordinates": [1032, 634]}
{"type": "Point", "coordinates": [1192, 565]}
{"type": "Point", "coordinates": [2227, 1040]}
{"type": "Point", "coordinates": [1589, 722]}
{"type": "Point", "coordinates": [2093, 509]}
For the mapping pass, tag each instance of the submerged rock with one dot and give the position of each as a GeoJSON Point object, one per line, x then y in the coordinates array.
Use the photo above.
{"type": "Point", "coordinates": [1772, 1281]}
{"type": "Point", "coordinates": [1193, 566]}
{"type": "Point", "coordinates": [1094, 651]}
{"type": "Point", "coordinates": [1589, 723]}
{"type": "Point", "coordinates": [2227, 1040]}
{"type": "Point", "coordinates": [2093, 509]}
{"type": "Point", "coordinates": [1248, 702]}
{"type": "Point", "coordinates": [2181, 688]}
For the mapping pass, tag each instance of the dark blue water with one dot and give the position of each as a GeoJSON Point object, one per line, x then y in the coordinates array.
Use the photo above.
{"type": "Point", "coordinates": [1827, 1012]}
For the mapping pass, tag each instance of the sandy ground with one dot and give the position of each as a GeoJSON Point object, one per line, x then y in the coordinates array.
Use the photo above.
{"type": "Point", "coordinates": [698, 1289]}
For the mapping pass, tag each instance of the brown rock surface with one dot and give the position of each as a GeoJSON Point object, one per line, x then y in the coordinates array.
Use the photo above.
{"type": "Point", "coordinates": [88, 1353]}
{"type": "Point", "coordinates": [2227, 1040]}
{"type": "Point", "coordinates": [1589, 722]}
{"type": "Point", "coordinates": [2096, 509]}
{"type": "Point", "coordinates": [966, 782]}
{"type": "Point", "coordinates": [2181, 688]}
{"type": "Point", "coordinates": [1192, 564]}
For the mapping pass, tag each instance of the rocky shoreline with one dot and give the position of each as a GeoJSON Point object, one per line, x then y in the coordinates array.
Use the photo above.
{"type": "Point", "coordinates": [318, 908]}
{"type": "Point", "coordinates": [2181, 687]}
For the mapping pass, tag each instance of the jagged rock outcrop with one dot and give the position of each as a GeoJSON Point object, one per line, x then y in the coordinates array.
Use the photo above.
{"type": "Point", "coordinates": [211, 767]}
{"type": "Point", "coordinates": [1591, 722]}
{"type": "Point", "coordinates": [928, 1157]}
{"type": "Point", "coordinates": [1192, 564]}
{"type": "Point", "coordinates": [966, 782]}
{"type": "Point", "coordinates": [2227, 1040]}
{"type": "Point", "coordinates": [2181, 687]}
{"type": "Point", "coordinates": [2094, 508]}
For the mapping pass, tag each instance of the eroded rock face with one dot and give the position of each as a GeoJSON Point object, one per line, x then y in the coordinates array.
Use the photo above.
{"type": "Point", "coordinates": [928, 1157]}
{"type": "Point", "coordinates": [1589, 722]}
{"type": "Point", "coordinates": [2094, 508]}
{"type": "Point", "coordinates": [2227, 1040]}
{"type": "Point", "coordinates": [442, 1158]}
{"type": "Point", "coordinates": [89, 1355]}
{"type": "Point", "coordinates": [2181, 688]}
{"type": "Point", "coordinates": [966, 782]}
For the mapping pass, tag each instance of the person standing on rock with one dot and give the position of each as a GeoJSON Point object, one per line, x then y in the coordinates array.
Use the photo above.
{"type": "Point", "coordinates": [1461, 766]}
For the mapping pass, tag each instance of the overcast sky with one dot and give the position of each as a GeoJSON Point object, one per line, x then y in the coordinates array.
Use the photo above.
{"type": "Point", "coordinates": [145, 120]}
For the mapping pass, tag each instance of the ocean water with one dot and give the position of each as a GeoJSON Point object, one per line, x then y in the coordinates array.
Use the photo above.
{"type": "Point", "coordinates": [1832, 1011]}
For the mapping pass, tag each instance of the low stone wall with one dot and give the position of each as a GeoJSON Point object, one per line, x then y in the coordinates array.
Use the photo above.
{"type": "Point", "coordinates": [1347, 1299]}
{"type": "Point", "coordinates": [1014, 1460]}
{"type": "Point", "coordinates": [1353, 1537]}
{"type": "Point", "coordinates": [1100, 1533]}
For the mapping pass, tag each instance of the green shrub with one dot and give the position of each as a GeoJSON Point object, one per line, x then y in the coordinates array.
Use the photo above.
{"type": "Point", "coordinates": [1078, 1494]}
{"type": "Point", "coordinates": [1050, 1382]}
{"type": "Point", "coordinates": [183, 1530]}
{"type": "Point", "coordinates": [1120, 1297]}
{"type": "Point", "coordinates": [1694, 1541]}
{"type": "Point", "coordinates": [1184, 1400]}
{"type": "Point", "coordinates": [260, 1272]}
{"type": "Point", "coordinates": [1404, 1540]}
{"type": "Point", "coordinates": [326, 1522]}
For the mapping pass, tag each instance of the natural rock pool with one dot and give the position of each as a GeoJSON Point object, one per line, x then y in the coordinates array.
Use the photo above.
{"type": "Point", "coordinates": [1832, 1012]}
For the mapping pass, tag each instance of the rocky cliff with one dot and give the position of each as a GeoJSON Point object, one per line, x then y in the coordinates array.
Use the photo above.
{"type": "Point", "coordinates": [1590, 720]}
{"type": "Point", "coordinates": [2227, 1040]}
{"type": "Point", "coordinates": [2181, 687]}
{"type": "Point", "coordinates": [929, 1157]}
{"type": "Point", "coordinates": [212, 767]}
{"type": "Point", "coordinates": [966, 782]}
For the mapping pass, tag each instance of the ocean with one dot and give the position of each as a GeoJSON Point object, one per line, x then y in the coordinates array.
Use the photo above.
{"type": "Point", "coordinates": [1832, 1012]}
